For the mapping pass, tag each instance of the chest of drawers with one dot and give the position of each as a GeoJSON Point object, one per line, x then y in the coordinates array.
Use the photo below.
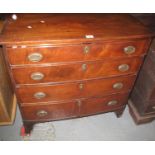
{"type": "Point", "coordinates": [73, 65]}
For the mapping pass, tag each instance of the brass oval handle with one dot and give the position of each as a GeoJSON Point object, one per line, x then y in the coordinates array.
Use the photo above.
{"type": "Point", "coordinates": [118, 85]}
{"type": "Point", "coordinates": [113, 102]}
{"type": "Point", "coordinates": [81, 86]}
{"type": "Point", "coordinates": [42, 113]}
{"type": "Point", "coordinates": [35, 57]}
{"type": "Point", "coordinates": [39, 95]}
{"type": "Point", "coordinates": [37, 76]}
{"type": "Point", "coordinates": [123, 67]}
{"type": "Point", "coordinates": [86, 49]}
{"type": "Point", "coordinates": [129, 49]}
{"type": "Point", "coordinates": [84, 67]}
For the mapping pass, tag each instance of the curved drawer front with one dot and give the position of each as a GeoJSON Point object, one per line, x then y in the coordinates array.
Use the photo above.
{"type": "Point", "coordinates": [97, 105]}
{"type": "Point", "coordinates": [90, 88]}
{"type": "Point", "coordinates": [50, 111]}
{"type": "Point", "coordinates": [77, 71]}
{"type": "Point", "coordinates": [68, 109]}
{"type": "Point", "coordinates": [41, 55]}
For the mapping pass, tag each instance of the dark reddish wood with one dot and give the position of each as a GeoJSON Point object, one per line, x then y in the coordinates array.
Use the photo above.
{"type": "Point", "coordinates": [99, 105]}
{"type": "Point", "coordinates": [72, 53]}
{"type": "Point", "coordinates": [70, 72]}
{"type": "Point", "coordinates": [55, 111]}
{"type": "Point", "coordinates": [28, 126]}
{"type": "Point", "coordinates": [91, 88]}
{"type": "Point", "coordinates": [61, 110]}
{"type": "Point", "coordinates": [61, 39]}
{"type": "Point", "coordinates": [71, 28]}
{"type": "Point", "coordinates": [119, 112]}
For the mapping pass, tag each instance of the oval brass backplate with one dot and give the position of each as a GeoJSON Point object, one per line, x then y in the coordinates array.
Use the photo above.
{"type": "Point", "coordinates": [129, 49]}
{"type": "Point", "coordinates": [37, 76]}
{"type": "Point", "coordinates": [35, 57]}
{"type": "Point", "coordinates": [118, 85]}
{"type": "Point", "coordinates": [123, 67]}
{"type": "Point", "coordinates": [39, 95]}
{"type": "Point", "coordinates": [42, 113]}
{"type": "Point", "coordinates": [113, 102]}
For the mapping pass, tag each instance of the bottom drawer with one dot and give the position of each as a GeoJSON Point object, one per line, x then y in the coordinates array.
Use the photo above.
{"type": "Point", "coordinates": [103, 104]}
{"type": "Point", "coordinates": [49, 111]}
{"type": "Point", "coordinates": [80, 107]}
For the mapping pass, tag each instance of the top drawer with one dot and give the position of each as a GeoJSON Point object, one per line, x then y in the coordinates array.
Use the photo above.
{"type": "Point", "coordinates": [42, 54]}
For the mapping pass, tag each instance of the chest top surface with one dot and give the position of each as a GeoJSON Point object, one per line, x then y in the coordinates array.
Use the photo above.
{"type": "Point", "coordinates": [66, 28]}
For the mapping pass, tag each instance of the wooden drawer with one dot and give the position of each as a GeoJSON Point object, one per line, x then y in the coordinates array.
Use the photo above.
{"type": "Point", "coordinates": [77, 71]}
{"type": "Point", "coordinates": [49, 111]}
{"type": "Point", "coordinates": [83, 52]}
{"type": "Point", "coordinates": [67, 91]}
{"type": "Point", "coordinates": [103, 104]}
{"type": "Point", "coordinates": [67, 109]}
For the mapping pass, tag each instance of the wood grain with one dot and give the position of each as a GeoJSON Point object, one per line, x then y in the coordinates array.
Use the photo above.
{"type": "Point", "coordinates": [68, 91]}
{"type": "Point", "coordinates": [74, 53]}
{"type": "Point", "coordinates": [74, 71]}
{"type": "Point", "coordinates": [71, 28]}
{"type": "Point", "coordinates": [61, 110]}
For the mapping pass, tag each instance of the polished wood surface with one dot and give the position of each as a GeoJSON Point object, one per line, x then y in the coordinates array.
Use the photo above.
{"type": "Point", "coordinates": [90, 88]}
{"type": "Point", "coordinates": [99, 105]}
{"type": "Point", "coordinates": [74, 28]}
{"type": "Point", "coordinates": [61, 110]}
{"type": "Point", "coordinates": [54, 111]}
{"type": "Point", "coordinates": [74, 53]}
{"type": "Point", "coordinates": [75, 71]}
{"type": "Point", "coordinates": [73, 65]}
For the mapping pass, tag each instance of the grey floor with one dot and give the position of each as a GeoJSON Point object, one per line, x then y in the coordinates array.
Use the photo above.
{"type": "Point", "coordinates": [98, 127]}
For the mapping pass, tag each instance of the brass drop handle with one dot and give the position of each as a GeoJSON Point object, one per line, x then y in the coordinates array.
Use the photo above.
{"type": "Point", "coordinates": [123, 67]}
{"type": "Point", "coordinates": [35, 57]}
{"type": "Point", "coordinates": [113, 102]}
{"type": "Point", "coordinates": [81, 86]}
{"type": "Point", "coordinates": [39, 95]}
{"type": "Point", "coordinates": [37, 76]}
{"type": "Point", "coordinates": [84, 67]}
{"type": "Point", "coordinates": [86, 49]}
{"type": "Point", "coordinates": [118, 85]}
{"type": "Point", "coordinates": [129, 49]}
{"type": "Point", "coordinates": [42, 113]}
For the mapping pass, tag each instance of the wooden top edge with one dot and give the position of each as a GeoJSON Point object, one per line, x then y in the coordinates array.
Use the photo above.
{"type": "Point", "coordinates": [71, 28]}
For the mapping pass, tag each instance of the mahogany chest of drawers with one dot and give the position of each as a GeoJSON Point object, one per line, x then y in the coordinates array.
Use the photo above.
{"type": "Point", "coordinates": [72, 65]}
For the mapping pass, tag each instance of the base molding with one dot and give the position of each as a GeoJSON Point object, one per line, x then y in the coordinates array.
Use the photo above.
{"type": "Point", "coordinates": [139, 119]}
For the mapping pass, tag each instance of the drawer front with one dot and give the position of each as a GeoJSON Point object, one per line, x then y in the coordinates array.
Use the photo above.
{"type": "Point", "coordinates": [37, 55]}
{"type": "Point", "coordinates": [78, 71]}
{"type": "Point", "coordinates": [62, 110]}
{"type": "Point", "coordinates": [103, 104]}
{"type": "Point", "coordinates": [84, 89]}
{"type": "Point", "coordinates": [50, 111]}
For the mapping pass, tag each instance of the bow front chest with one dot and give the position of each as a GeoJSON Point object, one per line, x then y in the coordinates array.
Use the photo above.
{"type": "Point", "coordinates": [72, 65]}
